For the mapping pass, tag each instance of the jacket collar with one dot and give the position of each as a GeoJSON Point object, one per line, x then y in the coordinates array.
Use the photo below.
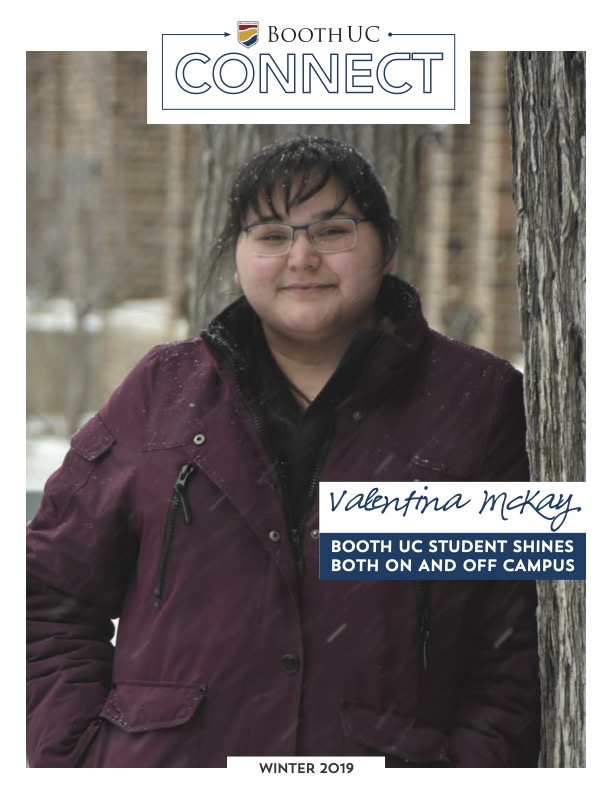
{"type": "Point", "coordinates": [398, 307]}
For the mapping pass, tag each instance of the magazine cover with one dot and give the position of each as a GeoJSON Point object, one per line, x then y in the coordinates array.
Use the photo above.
{"type": "Point", "coordinates": [306, 492]}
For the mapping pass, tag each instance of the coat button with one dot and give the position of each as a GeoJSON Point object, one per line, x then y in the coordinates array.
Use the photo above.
{"type": "Point", "coordinates": [274, 536]}
{"type": "Point", "coordinates": [357, 415]}
{"type": "Point", "coordinates": [199, 439]}
{"type": "Point", "coordinates": [314, 533]}
{"type": "Point", "coordinates": [290, 664]}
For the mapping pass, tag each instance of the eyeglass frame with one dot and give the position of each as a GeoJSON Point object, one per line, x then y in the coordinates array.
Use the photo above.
{"type": "Point", "coordinates": [294, 228]}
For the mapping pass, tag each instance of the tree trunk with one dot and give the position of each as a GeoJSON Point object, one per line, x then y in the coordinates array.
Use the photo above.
{"type": "Point", "coordinates": [547, 118]}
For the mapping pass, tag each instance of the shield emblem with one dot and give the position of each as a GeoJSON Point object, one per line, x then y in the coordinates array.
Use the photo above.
{"type": "Point", "coordinates": [248, 33]}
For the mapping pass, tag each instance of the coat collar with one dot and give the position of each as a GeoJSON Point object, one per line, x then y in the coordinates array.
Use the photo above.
{"type": "Point", "coordinates": [401, 326]}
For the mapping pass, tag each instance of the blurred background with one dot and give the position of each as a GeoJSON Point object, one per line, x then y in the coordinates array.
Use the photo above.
{"type": "Point", "coordinates": [121, 217]}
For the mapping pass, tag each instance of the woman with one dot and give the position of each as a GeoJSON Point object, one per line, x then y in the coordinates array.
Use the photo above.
{"type": "Point", "coordinates": [188, 508]}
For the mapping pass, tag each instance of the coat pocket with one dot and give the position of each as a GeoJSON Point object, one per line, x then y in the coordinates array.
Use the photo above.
{"type": "Point", "coordinates": [87, 449]}
{"type": "Point", "coordinates": [150, 724]}
{"type": "Point", "coordinates": [85, 742]}
{"type": "Point", "coordinates": [405, 741]}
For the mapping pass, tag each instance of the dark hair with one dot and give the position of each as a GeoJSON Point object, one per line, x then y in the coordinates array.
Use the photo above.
{"type": "Point", "coordinates": [314, 161]}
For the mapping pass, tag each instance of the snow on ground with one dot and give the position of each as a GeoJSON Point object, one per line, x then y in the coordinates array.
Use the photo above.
{"type": "Point", "coordinates": [43, 456]}
{"type": "Point", "coordinates": [46, 438]}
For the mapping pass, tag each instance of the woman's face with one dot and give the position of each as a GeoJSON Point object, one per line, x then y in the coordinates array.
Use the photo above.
{"type": "Point", "coordinates": [310, 296]}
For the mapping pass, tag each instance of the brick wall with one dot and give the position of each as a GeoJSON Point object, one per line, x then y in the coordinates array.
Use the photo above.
{"type": "Point", "coordinates": [112, 213]}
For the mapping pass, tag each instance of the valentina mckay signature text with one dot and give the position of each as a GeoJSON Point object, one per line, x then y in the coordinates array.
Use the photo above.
{"type": "Point", "coordinates": [553, 507]}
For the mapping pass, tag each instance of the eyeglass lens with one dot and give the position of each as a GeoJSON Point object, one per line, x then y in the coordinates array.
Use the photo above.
{"type": "Point", "coordinates": [327, 236]}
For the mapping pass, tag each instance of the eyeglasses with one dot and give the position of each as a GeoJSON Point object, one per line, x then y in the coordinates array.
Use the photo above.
{"type": "Point", "coordinates": [326, 236]}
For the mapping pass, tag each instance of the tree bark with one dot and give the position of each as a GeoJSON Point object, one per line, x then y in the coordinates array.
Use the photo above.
{"type": "Point", "coordinates": [547, 117]}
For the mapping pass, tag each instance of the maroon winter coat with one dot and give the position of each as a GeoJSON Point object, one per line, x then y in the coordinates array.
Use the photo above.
{"type": "Point", "coordinates": [168, 514]}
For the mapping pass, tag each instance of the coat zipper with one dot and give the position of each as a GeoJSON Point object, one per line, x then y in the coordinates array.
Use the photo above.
{"type": "Point", "coordinates": [295, 529]}
{"type": "Point", "coordinates": [177, 500]}
{"type": "Point", "coordinates": [294, 532]}
{"type": "Point", "coordinates": [298, 530]}
{"type": "Point", "coordinates": [422, 601]}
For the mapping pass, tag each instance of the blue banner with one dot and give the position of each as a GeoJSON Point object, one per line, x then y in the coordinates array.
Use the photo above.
{"type": "Point", "coordinates": [452, 556]}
